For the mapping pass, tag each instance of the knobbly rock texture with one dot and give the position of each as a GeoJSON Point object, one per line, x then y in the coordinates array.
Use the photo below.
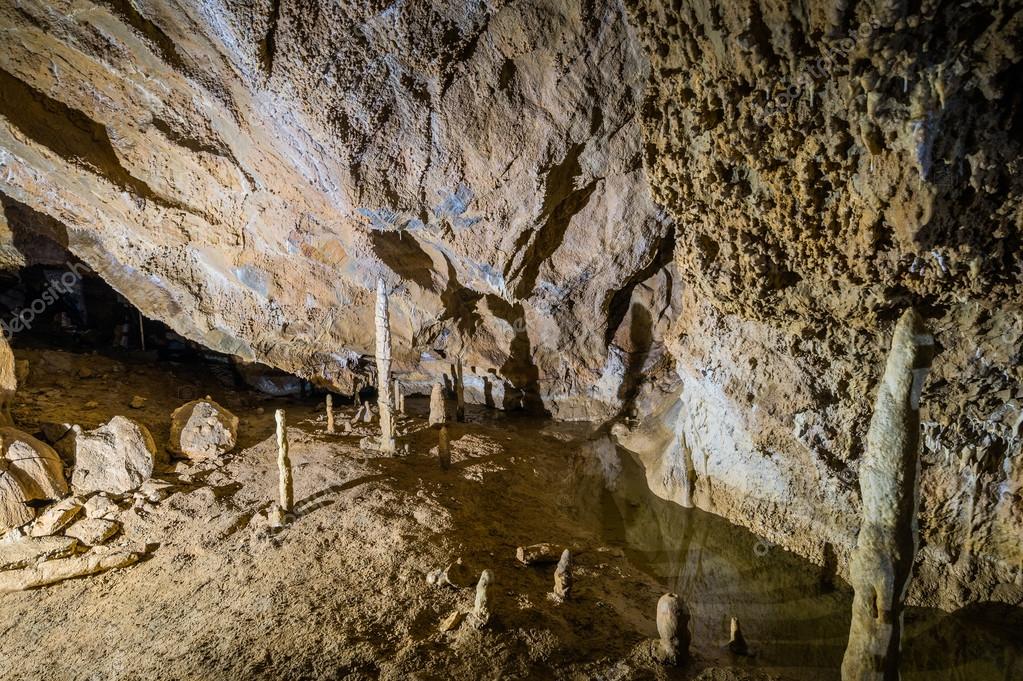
{"type": "Point", "coordinates": [245, 171]}
{"type": "Point", "coordinates": [826, 183]}
{"type": "Point", "coordinates": [116, 457]}
{"type": "Point", "coordinates": [202, 429]}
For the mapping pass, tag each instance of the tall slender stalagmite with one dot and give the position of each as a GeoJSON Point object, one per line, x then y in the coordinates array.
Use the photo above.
{"type": "Point", "coordinates": [383, 353]}
{"type": "Point", "coordinates": [399, 398]}
{"type": "Point", "coordinates": [459, 391]}
{"type": "Point", "coordinates": [285, 487]}
{"type": "Point", "coordinates": [882, 561]}
{"type": "Point", "coordinates": [330, 413]}
{"type": "Point", "coordinates": [439, 421]}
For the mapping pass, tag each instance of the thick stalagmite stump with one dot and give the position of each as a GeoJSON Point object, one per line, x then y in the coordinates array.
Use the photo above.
{"type": "Point", "coordinates": [673, 629]}
{"type": "Point", "coordinates": [285, 486]}
{"type": "Point", "coordinates": [385, 402]}
{"type": "Point", "coordinates": [882, 560]}
{"type": "Point", "coordinates": [481, 609]}
{"type": "Point", "coordinates": [330, 413]}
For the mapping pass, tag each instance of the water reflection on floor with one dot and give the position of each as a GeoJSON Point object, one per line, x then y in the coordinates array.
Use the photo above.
{"type": "Point", "coordinates": [796, 623]}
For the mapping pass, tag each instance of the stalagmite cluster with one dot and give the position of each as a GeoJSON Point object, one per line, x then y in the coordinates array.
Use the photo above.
{"type": "Point", "coordinates": [882, 561]}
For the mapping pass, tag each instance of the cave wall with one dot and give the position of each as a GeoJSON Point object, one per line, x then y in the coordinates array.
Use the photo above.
{"type": "Point", "coordinates": [829, 164]}
{"type": "Point", "coordinates": [244, 171]}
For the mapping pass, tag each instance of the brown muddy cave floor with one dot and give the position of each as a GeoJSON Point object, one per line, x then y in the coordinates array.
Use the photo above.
{"type": "Point", "coordinates": [341, 593]}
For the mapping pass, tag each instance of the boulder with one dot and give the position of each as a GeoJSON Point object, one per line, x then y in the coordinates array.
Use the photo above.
{"type": "Point", "coordinates": [202, 429]}
{"type": "Point", "coordinates": [116, 457]}
{"type": "Point", "coordinates": [92, 531]}
{"type": "Point", "coordinates": [30, 471]}
{"type": "Point", "coordinates": [35, 463]}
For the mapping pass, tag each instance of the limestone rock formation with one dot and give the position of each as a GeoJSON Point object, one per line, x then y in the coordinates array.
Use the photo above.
{"type": "Point", "coordinates": [827, 177]}
{"type": "Point", "coordinates": [116, 457]}
{"type": "Point", "coordinates": [488, 156]}
{"type": "Point", "coordinates": [202, 429]}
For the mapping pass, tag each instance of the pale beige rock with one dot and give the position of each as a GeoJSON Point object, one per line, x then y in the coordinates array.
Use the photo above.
{"type": "Point", "coordinates": [36, 465]}
{"type": "Point", "coordinates": [452, 621]}
{"type": "Point", "coordinates": [28, 551]}
{"type": "Point", "coordinates": [538, 554]}
{"type": "Point", "coordinates": [14, 510]}
{"type": "Point", "coordinates": [56, 517]}
{"type": "Point", "coordinates": [98, 560]}
{"type": "Point", "coordinates": [101, 506]}
{"type": "Point", "coordinates": [330, 413]}
{"type": "Point", "coordinates": [93, 531]}
{"type": "Point", "coordinates": [117, 457]}
{"type": "Point", "coordinates": [202, 429]}
{"type": "Point", "coordinates": [882, 562]}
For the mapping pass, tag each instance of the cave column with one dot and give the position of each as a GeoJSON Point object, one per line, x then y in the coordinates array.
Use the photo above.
{"type": "Point", "coordinates": [882, 561]}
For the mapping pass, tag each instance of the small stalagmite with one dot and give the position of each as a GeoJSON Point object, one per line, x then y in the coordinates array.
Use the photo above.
{"type": "Point", "coordinates": [330, 413]}
{"type": "Point", "coordinates": [285, 487]}
{"type": "Point", "coordinates": [458, 375]}
{"type": "Point", "coordinates": [385, 402]}
{"type": "Point", "coordinates": [882, 560]}
{"type": "Point", "coordinates": [736, 641]}
{"type": "Point", "coordinates": [563, 577]}
{"type": "Point", "coordinates": [673, 628]}
{"type": "Point", "coordinates": [439, 421]}
{"type": "Point", "coordinates": [481, 609]}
